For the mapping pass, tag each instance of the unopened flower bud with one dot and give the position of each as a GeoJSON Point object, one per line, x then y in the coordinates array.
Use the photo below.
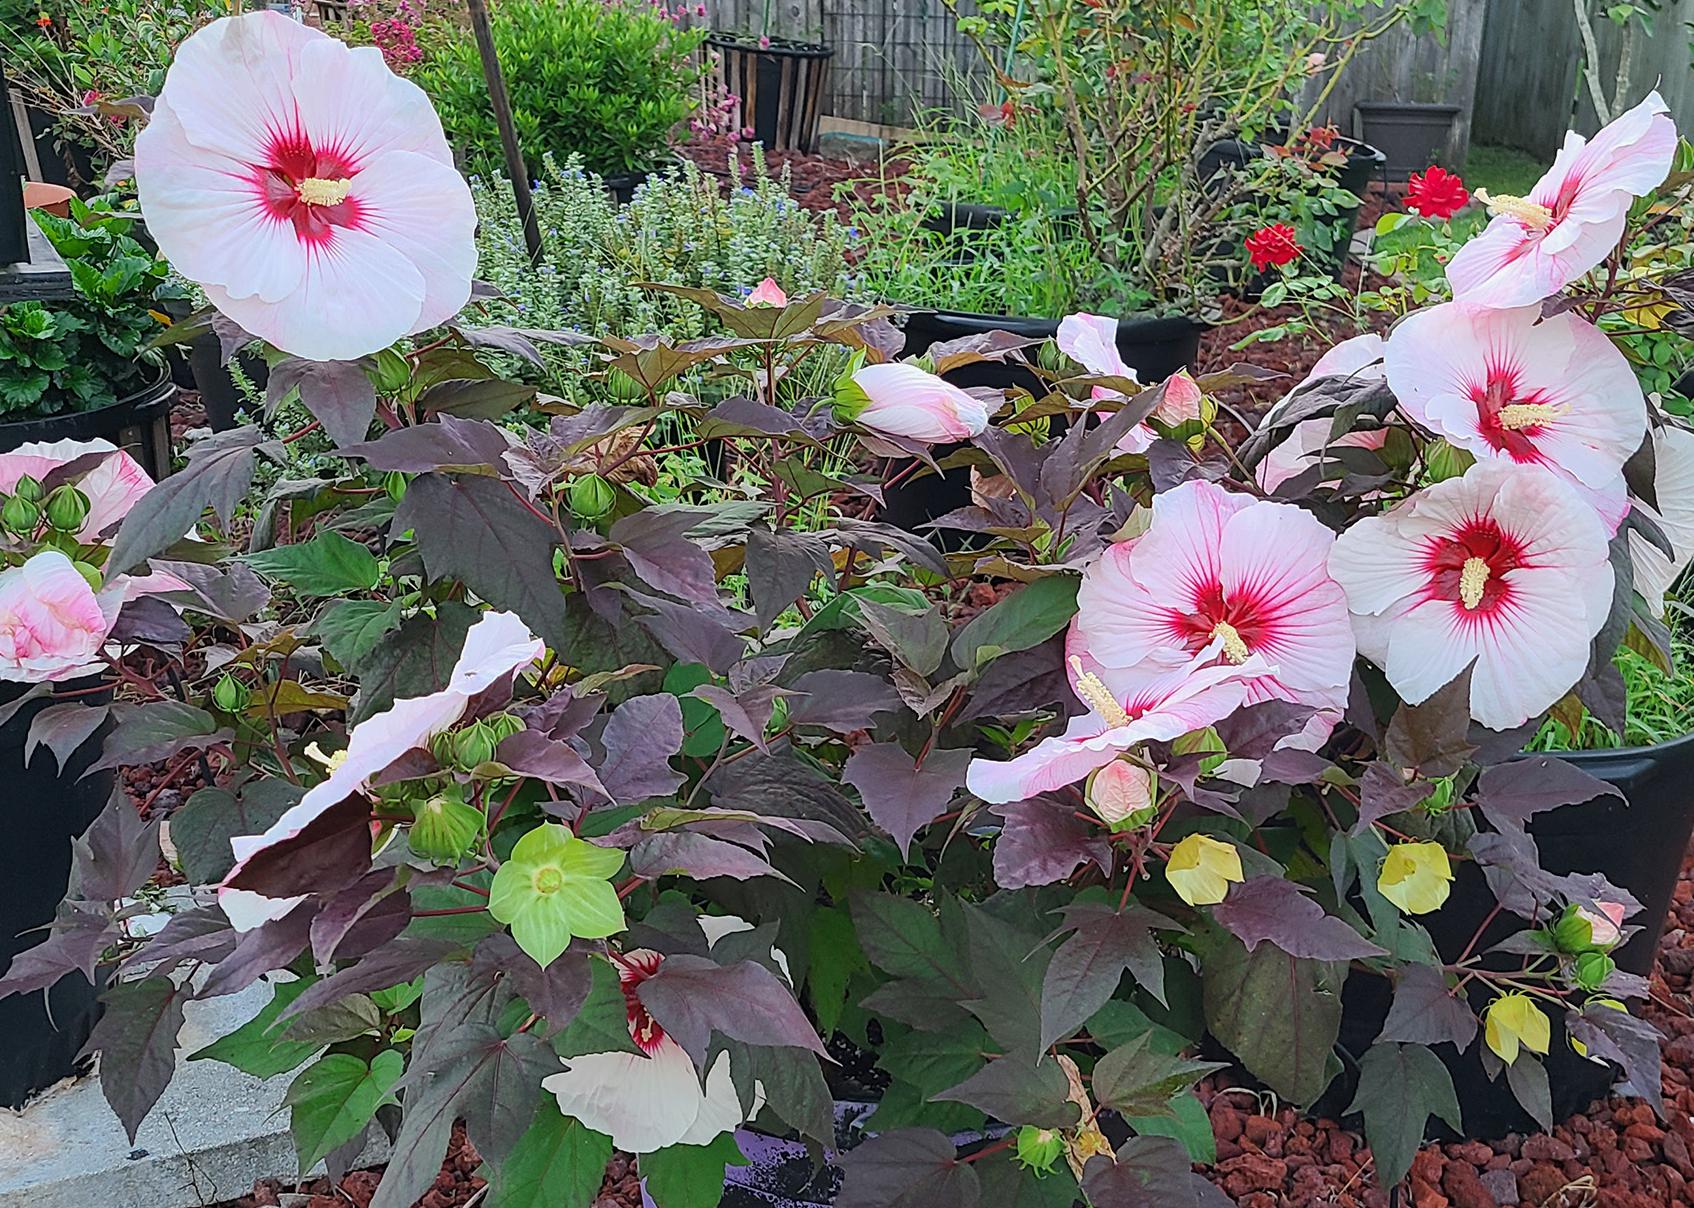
{"type": "Point", "coordinates": [623, 387]}
{"type": "Point", "coordinates": [67, 508]}
{"type": "Point", "coordinates": [20, 515]}
{"type": "Point", "coordinates": [592, 497]}
{"type": "Point", "coordinates": [30, 488]}
{"type": "Point", "coordinates": [1592, 969]}
{"type": "Point", "coordinates": [231, 695]}
{"type": "Point", "coordinates": [474, 746]}
{"type": "Point", "coordinates": [1121, 795]}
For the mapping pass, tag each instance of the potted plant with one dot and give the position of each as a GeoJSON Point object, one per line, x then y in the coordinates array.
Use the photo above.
{"type": "Point", "coordinates": [1412, 134]}
{"type": "Point", "coordinates": [609, 82]}
{"type": "Point", "coordinates": [592, 814]}
{"type": "Point", "coordinates": [778, 84]}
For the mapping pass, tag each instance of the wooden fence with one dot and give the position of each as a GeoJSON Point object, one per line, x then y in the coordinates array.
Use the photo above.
{"type": "Point", "coordinates": [1527, 93]}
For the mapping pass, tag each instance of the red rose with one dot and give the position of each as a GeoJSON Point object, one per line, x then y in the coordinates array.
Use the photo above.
{"type": "Point", "coordinates": [1436, 193]}
{"type": "Point", "coordinates": [1273, 246]}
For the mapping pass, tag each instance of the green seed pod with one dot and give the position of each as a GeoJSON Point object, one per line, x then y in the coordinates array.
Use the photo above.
{"type": "Point", "coordinates": [231, 695]}
{"type": "Point", "coordinates": [592, 497]}
{"type": "Point", "coordinates": [1039, 1148]}
{"type": "Point", "coordinates": [504, 725]}
{"type": "Point", "coordinates": [444, 828]}
{"type": "Point", "coordinates": [67, 509]}
{"type": "Point", "coordinates": [1592, 969]}
{"type": "Point", "coordinates": [623, 387]}
{"type": "Point", "coordinates": [20, 515]}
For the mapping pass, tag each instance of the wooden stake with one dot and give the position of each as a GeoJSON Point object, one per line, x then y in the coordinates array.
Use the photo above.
{"type": "Point", "coordinates": [502, 103]}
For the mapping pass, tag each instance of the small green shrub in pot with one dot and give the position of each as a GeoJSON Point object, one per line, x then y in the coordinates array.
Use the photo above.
{"type": "Point", "coordinates": [607, 80]}
{"type": "Point", "coordinates": [86, 352]}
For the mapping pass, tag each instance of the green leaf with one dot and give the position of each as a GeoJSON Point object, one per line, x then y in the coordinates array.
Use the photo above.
{"type": "Point", "coordinates": [835, 958]}
{"type": "Point", "coordinates": [1188, 1123]}
{"type": "Point", "coordinates": [602, 1024]}
{"type": "Point", "coordinates": [558, 1163]}
{"type": "Point", "coordinates": [1138, 1080]}
{"type": "Point", "coordinates": [413, 660]}
{"type": "Point", "coordinates": [690, 1176]}
{"type": "Point", "coordinates": [257, 1046]}
{"type": "Point", "coordinates": [327, 565]}
{"type": "Point", "coordinates": [332, 1100]}
{"type": "Point", "coordinates": [554, 887]}
{"type": "Point", "coordinates": [1023, 619]}
{"type": "Point", "coordinates": [351, 629]}
{"type": "Point", "coordinates": [921, 1064]}
{"type": "Point", "coordinates": [202, 827]}
{"type": "Point", "coordinates": [1400, 1087]}
{"type": "Point", "coordinates": [1280, 1014]}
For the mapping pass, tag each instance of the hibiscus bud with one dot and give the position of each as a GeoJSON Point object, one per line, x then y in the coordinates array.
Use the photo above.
{"type": "Point", "coordinates": [474, 746]}
{"type": "Point", "coordinates": [503, 725]}
{"type": "Point", "coordinates": [67, 508]}
{"type": "Point", "coordinates": [231, 695]}
{"type": "Point", "coordinates": [897, 399]}
{"type": "Point", "coordinates": [20, 515]}
{"type": "Point", "coordinates": [1201, 869]}
{"type": "Point", "coordinates": [767, 293]}
{"type": "Point", "coordinates": [623, 387]}
{"type": "Point", "coordinates": [1513, 1021]}
{"type": "Point", "coordinates": [1416, 877]}
{"type": "Point", "coordinates": [1121, 795]}
{"type": "Point", "coordinates": [1592, 969]}
{"type": "Point", "coordinates": [592, 497]}
{"type": "Point", "coordinates": [395, 484]}
{"type": "Point", "coordinates": [1039, 1148]}
{"type": "Point", "coordinates": [1575, 931]}
{"type": "Point", "coordinates": [444, 828]}
{"type": "Point", "coordinates": [30, 488]}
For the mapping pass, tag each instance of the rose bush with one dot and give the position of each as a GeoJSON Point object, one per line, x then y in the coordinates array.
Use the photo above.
{"type": "Point", "coordinates": [591, 820]}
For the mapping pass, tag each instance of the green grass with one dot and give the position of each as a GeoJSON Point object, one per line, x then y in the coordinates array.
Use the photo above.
{"type": "Point", "coordinates": [1501, 170]}
{"type": "Point", "coordinates": [1661, 704]}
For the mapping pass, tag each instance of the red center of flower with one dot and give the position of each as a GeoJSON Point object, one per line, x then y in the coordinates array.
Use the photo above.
{"type": "Point", "coordinates": [1470, 565]}
{"type": "Point", "coordinates": [1508, 417]}
{"type": "Point", "coordinates": [1239, 621]}
{"type": "Point", "coordinates": [633, 969]}
{"type": "Point", "coordinates": [307, 186]}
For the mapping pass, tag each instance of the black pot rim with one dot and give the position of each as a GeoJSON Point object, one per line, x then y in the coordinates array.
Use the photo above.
{"type": "Point", "coordinates": [1419, 107]}
{"type": "Point", "coordinates": [160, 391]}
{"type": "Point", "coordinates": [1602, 754]}
{"type": "Point", "coordinates": [625, 180]}
{"type": "Point", "coordinates": [1149, 326]}
{"type": "Point", "coordinates": [780, 48]}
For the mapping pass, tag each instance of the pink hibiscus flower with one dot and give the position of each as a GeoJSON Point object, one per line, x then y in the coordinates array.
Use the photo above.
{"type": "Point", "coordinates": [1505, 567]}
{"type": "Point", "coordinates": [113, 485]}
{"type": "Point", "coordinates": [1509, 385]}
{"type": "Point", "coordinates": [307, 188]}
{"type": "Point", "coordinates": [495, 647]}
{"type": "Point", "coordinates": [1359, 358]}
{"type": "Point", "coordinates": [767, 293]}
{"type": "Point", "coordinates": [1222, 577]}
{"type": "Point", "coordinates": [1092, 342]}
{"type": "Point", "coordinates": [1673, 485]}
{"type": "Point", "coordinates": [898, 399]}
{"type": "Point", "coordinates": [52, 623]}
{"type": "Point", "coordinates": [1123, 712]}
{"type": "Point", "coordinates": [1572, 218]}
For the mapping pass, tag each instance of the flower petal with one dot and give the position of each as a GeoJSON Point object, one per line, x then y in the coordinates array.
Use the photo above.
{"type": "Point", "coordinates": [642, 1103]}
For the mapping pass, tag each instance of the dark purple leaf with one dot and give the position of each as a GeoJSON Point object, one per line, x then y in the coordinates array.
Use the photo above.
{"type": "Point", "coordinates": [151, 621]}
{"type": "Point", "coordinates": [1425, 1011]}
{"type": "Point", "coordinates": [473, 398]}
{"type": "Point", "coordinates": [1511, 864]}
{"type": "Point", "coordinates": [329, 852]}
{"type": "Point", "coordinates": [80, 934]}
{"type": "Point", "coordinates": [219, 471]}
{"type": "Point", "coordinates": [663, 558]}
{"type": "Point", "coordinates": [691, 633]}
{"type": "Point", "coordinates": [873, 537]}
{"type": "Point", "coordinates": [555, 993]}
{"type": "Point", "coordinates": [1044, 841]}
{"type": "Point", "coordinates": [532, 753]}
{"type": "Point", "coordinates": [1278, 1013]}
{"type": "Point", "coordinates": [1018, 1090]}
{"type": "Point", "coordinates": [376, 900]}
{"type": "Point", "coordinates": [448, 443]}
{"type": "Point", "coordinates": [118, 853]}
{"type": "Point", "coordinates": [391, 965]}
{"type": "Point", "coordinates": [339, 395]}
{"type": "Point", "coordinates": [917, 640]}
{"type": "Point", "coordinates": [907, 1168]}
{"type": "Point", "coordinates": [1021, 683]}
{"type": "Point", "coordinates": [743, 416]}
{"type": "Point", "coordinates": [640, 738]}
{"type": "Point", "coordinates": [1289, 766]}
{"type": "Point", "coordinates": [265, 949]}
{"type": "Point", "coordinates": [230, 591]}
{"type": "Point", "coordinates": [899, 796]}
{"type": "Point", "coordinates": [476, 530]}
{"type": "Point", "coordinates": [1150, 1172]}
{"type": "Point", "coordinates": [63, 728]}
{"type": "Point", "coordinates": [692, 997]}
{"type": "Point", "coordinates": [781, 786]}
{"type": "Point", "coordinates": [699, 856]}
{"type": "Point", "coordinates": [1431, 738]}
{"type": "Point", "coordinates": [1515, 792]}
{"type": "Point", "coordinates": [200, 934]}
{"type": "Point", "coordinates": [157, 730]}
{"type": "Point", "coordinates": [1253, 732]}
{"type": "Point", "coordinates": [521, 341]}
{"type": "Point", "coordinates": [136, 1039]}
{"type": "Point", "coordinates": [1276, 909]}
{"type": "Point", "coordinates": [1632, 1043]}
{"type": "Point", "coordinates": [746, 713]}
{"type": "Point", "coordinates": [1383, 790]}
{"type": "Point", "coordinates": [780, 567]}
{"type": "Point", "coordinates": [1086, 970]}
{"type": "Point", "coordinates": [842, 701]}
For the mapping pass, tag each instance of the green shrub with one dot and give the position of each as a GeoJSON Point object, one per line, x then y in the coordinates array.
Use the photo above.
{"type": "Point", "coordinates": [604, 79]}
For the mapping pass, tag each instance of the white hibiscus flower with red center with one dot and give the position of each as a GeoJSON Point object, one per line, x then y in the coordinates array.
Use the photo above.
{"type": "Point", "coordinates": [1510, 385]}
{"type": "Point", "coordinates": [1573, 217]}
{"type": "Point", "coordinates": [1505, 568]}
{"type": "Point", "coordinates": [308, 189]}
{"type": "Point", "coordinates": [1673, 489]}
{"type": "Point", "coordinates": [1223, 576]}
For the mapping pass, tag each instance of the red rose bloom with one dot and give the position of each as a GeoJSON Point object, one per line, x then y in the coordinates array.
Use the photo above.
{"type": "Point", "coordinates": [1436, 193]}
{"type": "Point", "coordinates": [1273, 246]}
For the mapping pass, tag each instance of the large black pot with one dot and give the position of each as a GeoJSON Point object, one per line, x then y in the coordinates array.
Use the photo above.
{"type": "Point", "coordinates": [1364, 163]}
{"type": "Point", "coordinates": [45, 809]}
{"type": "Point", "coordinates": [218, 393]}
{"type": "Point", "coordinates": [780, 86]}
{"type": "Point", "coordinates": [1155, 347]}
{"type": "Point", "coordinates": [140, 423]}
{"type": "Point", "coordinates": [1412, 134]}
{"type": "Point", "coordinates": [1639, 846]}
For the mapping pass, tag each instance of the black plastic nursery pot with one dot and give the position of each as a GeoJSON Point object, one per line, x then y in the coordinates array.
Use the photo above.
{"type": "Point", "coordinates": [1412, 134]}
{"type": "Point", "coordinates": [46, 808]}
{"type": "Point", "coordinates": [1639, 844]}
{"type": "Point", "coordinates": [140, 423]}
{"type": "Point", "coordinates": [1154, 346]}
{"type": "Point", "coordinates": [219, 394]}
{"type": "Point", "coordinates": [780, 86]}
